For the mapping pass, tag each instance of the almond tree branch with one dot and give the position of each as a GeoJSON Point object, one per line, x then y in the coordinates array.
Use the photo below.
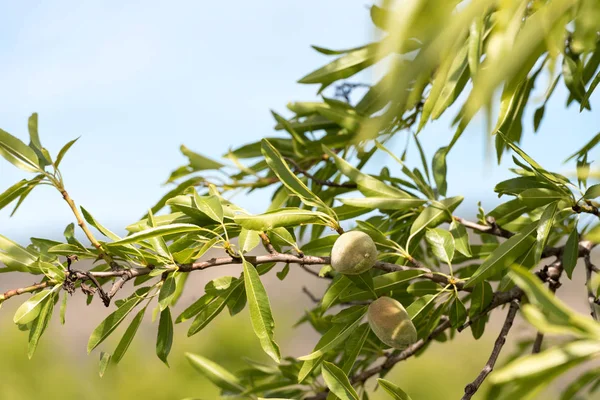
{"type": "Point", "coordinates": [15, 292]}
{"type": "Point", "coordinates": [472, 387]}
{"type": "Point", "coordinates": [492, 228]}
{"type": "Point", "coordinates": [267, 243]}
{"type": "Point", "coordinates": [551, 273]}
{"type": "Point", "coordinates": [589, 267]}
{"type": "Point", "coordinates": [303, 260]}
{"type": "Point", "coordinates": [500, 298]}
{"type": "Point", "coordinates": [85, 228]}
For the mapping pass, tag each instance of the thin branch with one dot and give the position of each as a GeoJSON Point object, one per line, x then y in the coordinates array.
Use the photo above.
{"type": "Point", "coordinates": [537, 344]}
{"type": "Point", "coordinates": [587, 209]}
{"type": "Point", "coordinates": [472, 387]}
{"type": "Point", "coordinates": [310, 295]}
{"type": "Point", "coordinates": [390, 361]}
{"type": "Point", "coordinates": [15, 292]}
{"type": "Point", "coordinates": [88, 233]}
{"type": "Point", "coordinates": [310, 271]}
{"type": "Point", "coordinates": [589, 267]}
{"type": "Point", "coordinates": [492, 228]}
{"type": "Point", "coordinates": [267, 243]}
{"type": "Point", "coordinates": [105, 298]}
{"type": "Point", "coordinates": [500, 298]}
{"type": "Point", "coordinates": [553, 273]}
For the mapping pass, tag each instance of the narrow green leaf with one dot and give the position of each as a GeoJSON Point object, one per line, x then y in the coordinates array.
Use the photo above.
{"type": "Point", "coordinates": [557, 312]}
{"type": "Point", "coordinates": [92, 221]}
{"type": "Point", "coordinates": [167, 291]}
{"type": "Point", "coordinates": [384, 203]}
{"type": "Point", "coordinates": [461, 238]}
{"type": "Point", "coordinates": [458, 313]}
{"type": "Point", "coordinates": [332, 294]}
{"type": "Point", "coordinates": [435, 214]}
{"type": "Point", "coordinates": [195, 308]}
{"type": "Point", "coordinates": [334, 341]}
{"type": "Point", "coordinates": [287, 177]}
{"type": "Point", "coordinates": [199, 162]}
{"type": "Point", "coordinates": [63, 309]}
{"type": "Point", "coordinates": [586, 148]}
{"type": "Point", "coordinates": [128, 336]}
{"type": "Point", "coordinates": [32, 125]}
{"type": "Point", "coordinates": [13, 192]}
{"type": "Point", "coordinates": [158, 231]}
{"type": "Point", "coordinates": [39, 325]}
{"type": "Point", "coordinates": [260, 311]}
{"type": "Point", "coordinates": [215, 373]}
{"type": "Point", "coordinates": [439, 170]}
{"type": "Point", "coordinates": [354, 346]}
{"type": "Point", "coordinates": [520, 184]}
{"type": "Point", "coordinates": [345, 66]}
{"type": "Point", "coordinates": [367, 185]}
{"type": "Point", "coordinates": [364, 281]}
{"type": "Point", "coordinates": [164, 338]}
{"type": "Point", "coordinates": [571, 253]}
{"type": "Point", "coordinates": [111, 322]}
{"type": "Point", "coordinates": [480, 300]}
{"type": "Point", "coordinates": [208, 312]}
{"type": "Point", "coordinates": [337, 381]}
{"type": "Point", "coordinates": [393, 390]}
{"type": "Point", "coordinates": [383, 284]}
{"type": "Point", "coordinates": [104, 362]}
{"type": "Point", "coordinates": [421, 288]}
{"type": "Point", "coordinates": [588, 93]}
{"type": "Point", "coordinates": [504, 255]}
{"type": "Point", "coordinates": [579, 383]}
{"type": "Point", "coordinates": [284, 217]}
{"type": "Point", "coordinates": [540, 197]}
{"type": "Point", "coordinates": [30, 310]}
{"type": "Point", "coordinates": [309, 366]}
{"type": "Point", "coordinates": [63, 151]}
{"type": "Point", "coordinates": [543, 230]}
{"type": "Point", "coordinates": [550, 177]}
{"type": "Point", "coordinates": [18, 153]}
{"type": "Point", "coordinates": [538, 364]}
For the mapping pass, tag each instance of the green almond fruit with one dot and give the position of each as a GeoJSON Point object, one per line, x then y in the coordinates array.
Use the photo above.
{"type": "Point", "coordinates": [353, 253]}
{"type": "Point", "coordinates": [391, 323]}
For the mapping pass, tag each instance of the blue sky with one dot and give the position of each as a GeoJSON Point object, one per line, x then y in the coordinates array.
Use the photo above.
{"type": "Point", "coordinates": [137, 79]}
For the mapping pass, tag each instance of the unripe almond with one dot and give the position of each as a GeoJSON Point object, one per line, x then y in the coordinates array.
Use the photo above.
{"type": "Point", "coordinates": [391, 323]}
{"type": "Point", "coordinates": [353, 253]}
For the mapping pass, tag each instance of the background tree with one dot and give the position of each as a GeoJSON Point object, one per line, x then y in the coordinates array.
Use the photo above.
{"type": "Point", "coordinates": [436, 273]}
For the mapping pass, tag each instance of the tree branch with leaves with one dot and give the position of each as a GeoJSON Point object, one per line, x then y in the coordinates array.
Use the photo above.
{"type": "Point", "coordinates": [391, 247]}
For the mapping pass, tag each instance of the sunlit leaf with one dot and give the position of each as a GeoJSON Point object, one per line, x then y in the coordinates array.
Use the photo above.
{"type": "Point", "coordinates": [394, 391]}
{"type": "Point", "coordinates": [260, 311]}
{"type": "Point", "coordinates": [338, 382]}
{"type": "Point", "coordinates": [158, 231]}
{"type": "Point", "coordinates": [128, 336]}
{"type": "Point", "coordinates": [111, 322]}
{"type": "Point", "coordinates": [504, 255]}
{"type": "Point", "coordinates": [215, 373]}
{"type": "Point", "coordinates": [18, 153]}
{"type": "Point", "coordinates": [284, 217]}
